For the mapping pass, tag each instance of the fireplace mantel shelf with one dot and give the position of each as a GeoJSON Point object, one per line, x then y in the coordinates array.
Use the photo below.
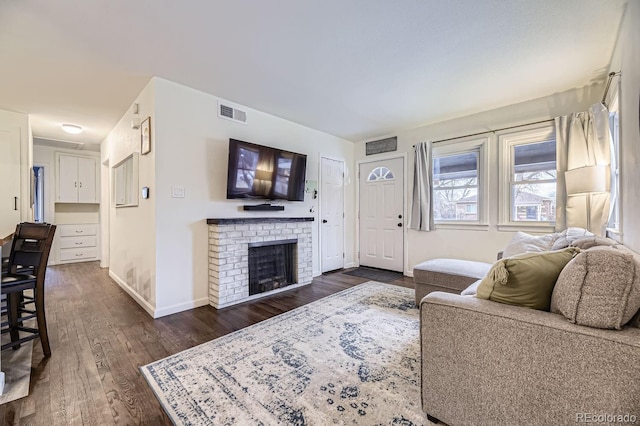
{"type": "Point", "coordinates": [243, 220]}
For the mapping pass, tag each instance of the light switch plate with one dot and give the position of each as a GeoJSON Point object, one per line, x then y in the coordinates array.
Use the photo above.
{"type": "Point", "coordinates": [177, 191]}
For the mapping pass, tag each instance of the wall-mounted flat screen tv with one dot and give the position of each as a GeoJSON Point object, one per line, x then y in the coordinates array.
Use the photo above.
{"type": "Point", "coordinates": [262, 172]}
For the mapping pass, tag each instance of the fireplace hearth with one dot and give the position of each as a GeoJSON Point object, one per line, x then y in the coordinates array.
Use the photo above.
{"type": "Point", "coordinates": [272, 265]}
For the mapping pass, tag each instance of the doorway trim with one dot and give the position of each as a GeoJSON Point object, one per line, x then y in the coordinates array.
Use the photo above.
{"type": "Point", "coordinates": [49, 194]}
{"type": "Point", "coordinates": [344, 218]}
{"type": "Point", "coordinates": [405, 245]}
{"type": "Point", "coordinates": [105, 212]}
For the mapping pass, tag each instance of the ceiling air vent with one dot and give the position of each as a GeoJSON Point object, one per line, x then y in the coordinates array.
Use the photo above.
{"type": "Point", "coordinates": [231, 113]}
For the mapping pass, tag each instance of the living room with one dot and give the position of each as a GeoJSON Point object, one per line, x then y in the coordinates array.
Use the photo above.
{"type": "Point", "coordinates": [158, 250]}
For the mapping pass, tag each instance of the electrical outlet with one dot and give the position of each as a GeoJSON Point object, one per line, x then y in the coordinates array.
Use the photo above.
{"type": "Point", "coordinates": [177, 191]}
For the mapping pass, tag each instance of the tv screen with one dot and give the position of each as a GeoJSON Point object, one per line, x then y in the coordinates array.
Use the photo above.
{"type": "Point", "coordinates": [261, 172]}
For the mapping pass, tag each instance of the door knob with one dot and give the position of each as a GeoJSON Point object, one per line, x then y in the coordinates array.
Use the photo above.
{"type": "Point", "coordinates": [324, 220]}
{"type": "Point", "coordinates": [400, 225]}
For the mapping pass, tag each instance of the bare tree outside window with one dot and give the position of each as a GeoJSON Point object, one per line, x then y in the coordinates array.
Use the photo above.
{"type": "Point", "coordinates": [455, 187]}
{"type": "Point", "coordinates": [533, 182]}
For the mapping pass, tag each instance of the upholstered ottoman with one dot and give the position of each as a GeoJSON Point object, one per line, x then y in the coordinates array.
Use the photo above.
{"type": "Point", "coordinates": [450, 275]}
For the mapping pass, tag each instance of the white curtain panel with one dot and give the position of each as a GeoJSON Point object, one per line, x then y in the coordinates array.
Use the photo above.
{"type": "Point", "coordinates": [420, 214]}
{"type": "Point", "coordinates": [582, 139]}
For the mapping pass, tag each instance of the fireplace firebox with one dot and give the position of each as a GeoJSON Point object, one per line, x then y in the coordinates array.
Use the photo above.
{"type": "Point", "coordinates": [272, 265]}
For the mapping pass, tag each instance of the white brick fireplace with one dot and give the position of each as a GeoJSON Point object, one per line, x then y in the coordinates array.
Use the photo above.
{"type": "Point", "coordinates": [229, 241]}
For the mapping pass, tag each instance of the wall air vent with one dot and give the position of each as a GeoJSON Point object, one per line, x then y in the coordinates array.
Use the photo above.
{"type": "Point", "coordinates": [230, 113]}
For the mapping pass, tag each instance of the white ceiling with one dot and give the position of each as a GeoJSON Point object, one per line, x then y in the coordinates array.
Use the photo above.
{"type": "Point", "coordinates": [352, 68]}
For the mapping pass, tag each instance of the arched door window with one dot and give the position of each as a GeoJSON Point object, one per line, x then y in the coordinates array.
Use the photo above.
{"type": "Point", "coordinates": [380, 173]}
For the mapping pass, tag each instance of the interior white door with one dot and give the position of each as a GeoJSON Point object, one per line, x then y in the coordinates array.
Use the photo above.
{"type": "Point", "coordinates": [9, 181]}
{"type": "Point", "coordinates": [332, 214]}
{"type": "Point", "coordinates": [381, 214]}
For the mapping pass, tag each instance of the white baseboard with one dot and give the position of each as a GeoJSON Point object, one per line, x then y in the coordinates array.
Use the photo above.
{"type": "Point", "coordinates": [350, 265]}
{"type": "Point", "coordinates": [316, 273]}
{"type": "Point", "coordinates": [408, 273]}
{"type": "Point", "coordinates": [168, 310]}
{"type": "Point", "coordinates": [131, 292]}
{"type": "Point", "coordinates": [158, 312]}
{"type": "Point", "coordinates": [1, 382]}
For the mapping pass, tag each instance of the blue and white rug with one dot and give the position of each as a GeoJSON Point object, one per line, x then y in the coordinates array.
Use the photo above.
{"type": "Point", "coordinates": [352, 358]}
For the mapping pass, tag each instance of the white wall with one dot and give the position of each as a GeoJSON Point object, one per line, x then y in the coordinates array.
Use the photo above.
{"type": "Point", "coordinates": [131, 230]}
{"type": "Point", "coordinates": [158, 250]}
{"type": "Point", "coordinates": [191, 149]}
{"type": "Point", "coordinates": [627, 59]}
{"type": "Point", "coordinates": [472, 244]}
{"type": "Point", "coordinates": [13, 120]}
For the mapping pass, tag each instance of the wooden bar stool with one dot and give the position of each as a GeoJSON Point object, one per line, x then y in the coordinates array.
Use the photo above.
{"type": "Point", "coordinates": [26, 271]}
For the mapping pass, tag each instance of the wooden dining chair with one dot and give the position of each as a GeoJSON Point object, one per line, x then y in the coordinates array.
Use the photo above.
{"type": "Point", "coordinates": [26, 271]}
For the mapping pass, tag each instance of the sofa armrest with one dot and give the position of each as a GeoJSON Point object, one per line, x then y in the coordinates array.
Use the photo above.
{"type": "Point", "coordinates": [489, 363]}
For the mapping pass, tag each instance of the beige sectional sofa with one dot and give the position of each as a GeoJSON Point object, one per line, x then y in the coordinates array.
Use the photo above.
{"type": "Point", "coordinates": [488, 363]}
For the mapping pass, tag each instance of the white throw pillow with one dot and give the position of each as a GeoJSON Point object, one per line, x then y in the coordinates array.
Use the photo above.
{"type": "Point", "coordinates": [526, 243]}
{"type": "Point", "coordinates": [568, 236]}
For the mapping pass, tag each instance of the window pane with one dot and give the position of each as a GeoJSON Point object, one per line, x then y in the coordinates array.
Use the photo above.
{"type": "Point", "coordinates": [455, 187]}
{"type": "Point", "coordinates": [535, 157]}
{"type": "Point", "coordinates": [614, 127]}
{"type": "Point", "coordinates": [455, 204]}
{"type": "Point", "coordinates": [539, 175]}
{"type": "Point", "coordinates": [534, 202]}
{"type": "Point", "coordinates": [459, 166]}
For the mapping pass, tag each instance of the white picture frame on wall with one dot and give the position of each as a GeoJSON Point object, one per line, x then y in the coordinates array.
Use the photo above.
{"type": "Point", "coordinates": [145, 136]}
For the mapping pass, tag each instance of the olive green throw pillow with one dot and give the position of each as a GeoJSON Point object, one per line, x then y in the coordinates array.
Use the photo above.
{"type": "Point", "coordinates": [527, 279]}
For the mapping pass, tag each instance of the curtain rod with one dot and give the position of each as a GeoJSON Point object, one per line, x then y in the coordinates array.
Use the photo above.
{"type": "Point", "coordinates": [493, 131]}
{"type": "Point", "coordinates": [606, 89]}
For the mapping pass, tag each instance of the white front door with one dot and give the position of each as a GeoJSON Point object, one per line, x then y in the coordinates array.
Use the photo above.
{"type": "Point", "coordinates": [9, 181]}
{"type": "Point", "coordinates": [332, 213]}
{"type": "Point", "coordinates": [381, 214]}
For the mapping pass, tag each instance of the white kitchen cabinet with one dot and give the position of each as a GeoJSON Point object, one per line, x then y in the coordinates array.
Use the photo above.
{"type": "Point", "coordinates": [10, 180]}
{"type": "Point", "coordinates": [77, 243]}
{"type": "Point", "coordinates": [76, 179]}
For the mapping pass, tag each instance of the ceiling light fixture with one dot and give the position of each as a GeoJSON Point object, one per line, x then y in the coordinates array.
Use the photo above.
{"type": "Point", "coordinates": [72, 128]}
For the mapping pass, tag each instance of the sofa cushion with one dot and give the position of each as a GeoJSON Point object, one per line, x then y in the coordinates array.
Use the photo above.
{"type": "Point", "coordinates": [526, 243]}
{"type": "Point", "coordinates": [526, 279]}
{"type": "Point", "coordinates": [452, 275]}
{"type": "Point", "coordinates": [599, 288]}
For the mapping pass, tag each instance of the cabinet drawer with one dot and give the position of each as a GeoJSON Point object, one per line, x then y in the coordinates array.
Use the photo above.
{"type": "Point", "coordinates": [78, 253]}
{"type": "Point", "coordinates": [78, 242]}
{"type": "Point", "coordinates": [78, 230]}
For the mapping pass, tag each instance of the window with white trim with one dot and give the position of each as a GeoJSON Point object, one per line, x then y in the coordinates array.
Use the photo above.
{"type": "Point", "coordinates": [459, 173]}
{"type": "Point", "coordinates": [614, 126]}
{"type": "Point", "coordinates": [529, 177]}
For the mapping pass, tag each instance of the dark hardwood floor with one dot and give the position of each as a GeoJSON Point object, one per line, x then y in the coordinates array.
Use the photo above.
{"type": "Point", "coordinates": [100, 336]}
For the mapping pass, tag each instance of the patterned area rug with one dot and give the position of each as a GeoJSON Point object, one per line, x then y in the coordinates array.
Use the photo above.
{"type": "Point", "coordinates": [350, 358]}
